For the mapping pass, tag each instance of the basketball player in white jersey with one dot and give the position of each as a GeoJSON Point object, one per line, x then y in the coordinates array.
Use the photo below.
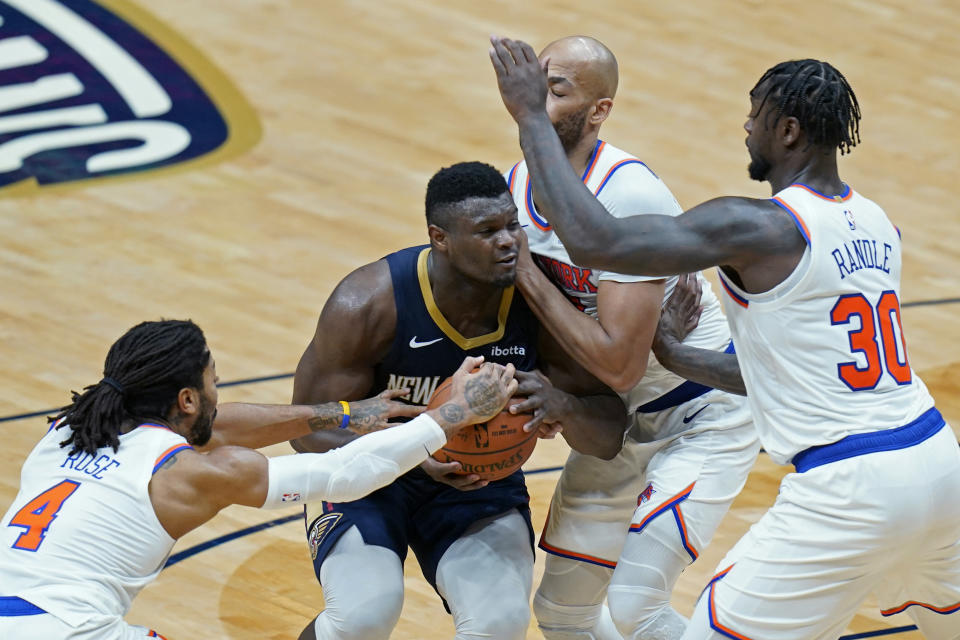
{"type": "Point", "coordinates": [649, 512]}
{"type": "Point", "coordinates": [813, 286]}
{"type": "Point", "coordinates": [116, 479]}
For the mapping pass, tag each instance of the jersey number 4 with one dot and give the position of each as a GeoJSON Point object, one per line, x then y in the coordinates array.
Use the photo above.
{"type": "Point", "coordinates": [36, 515]}
{"type": "Point", "coordinates": [888, 350]}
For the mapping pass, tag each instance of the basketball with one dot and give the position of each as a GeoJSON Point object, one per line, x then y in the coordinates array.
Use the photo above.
{"type": "Point", "coordinates": [492, 449]}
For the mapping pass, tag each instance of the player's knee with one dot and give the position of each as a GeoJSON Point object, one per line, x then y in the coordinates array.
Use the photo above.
{"type": "Point", "coordinates": [560, 621]}
{"type": "Point", "coordinates": [638, 608]}
{"type": "Point", "coordinates": [373, 621]}
{"type": "Point", "coordinates": [508, 621]}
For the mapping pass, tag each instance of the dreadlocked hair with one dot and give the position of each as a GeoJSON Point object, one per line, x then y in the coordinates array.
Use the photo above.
{"type": "Point", "coordinates": [818, 96]}
{"type": "Point", "coordinates": [143, 374]}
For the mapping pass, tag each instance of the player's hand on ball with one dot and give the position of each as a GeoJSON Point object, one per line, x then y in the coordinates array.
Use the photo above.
{"type": "Point", "coordinates": [374, 413]}
{"type": "Point", "coordinates": [520, 76]}
{"type": "Point", "coordinates": [451, 473]}
{"type": "Point", "coordinates": [475, 396]}
{"type": "Point", "coordinates": [543, 400]}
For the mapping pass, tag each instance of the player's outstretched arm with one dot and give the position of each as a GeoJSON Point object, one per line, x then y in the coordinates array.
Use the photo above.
{"type": "Point", "coordinates": [190, 488]}
{"type": "Point", "coordinates": [260, 425]}
{"type": "Point", "coordinates": [725, 231]}
{"type": "Point", "coordinates": [592, 418]}
{"type": "Point", "coordinates": [678, 318]}
{"type": "Point", "coordinates": [612, 346]}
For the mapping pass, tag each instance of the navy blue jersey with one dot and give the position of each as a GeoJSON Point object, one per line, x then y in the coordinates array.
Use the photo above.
{"type": "Point", "coordinates": [415, 510]}
{"type": "Point", "coordinates": [426, 349]}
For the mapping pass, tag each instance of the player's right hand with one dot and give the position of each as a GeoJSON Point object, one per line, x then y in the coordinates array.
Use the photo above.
{"type": "Point", "coordinates": [374, 413]}
{"type": "Point", "coordinates": [476, 396]}
{"type": "Point", "coordinates": [520, 76]}
{"type": "Point", "coordinates": [450, 473]}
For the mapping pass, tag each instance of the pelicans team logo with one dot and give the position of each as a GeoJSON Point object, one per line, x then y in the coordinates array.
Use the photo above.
{"type": "Point", "coordinates": [85, 93]}
{"type": "Point", "coordinates": [321, 527]}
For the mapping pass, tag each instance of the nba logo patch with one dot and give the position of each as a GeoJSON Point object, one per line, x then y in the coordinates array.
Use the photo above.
{"type": "Point", "coordinates": [321, 527]}
{"type": "Point", "coordinates": [645, 495]}
{"type": "Point", "coordinates": [85, 93]}
{"type": "Point", "coordinates": [850, 221]}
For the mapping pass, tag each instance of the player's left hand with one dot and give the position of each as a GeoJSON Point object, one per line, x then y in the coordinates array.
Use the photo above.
{"type": "Point", "coordinates": [543, 400]}
{"type": "Point", "coordinates": [520, 76]}
{"type": "Point", "coordinates": [681, 313]}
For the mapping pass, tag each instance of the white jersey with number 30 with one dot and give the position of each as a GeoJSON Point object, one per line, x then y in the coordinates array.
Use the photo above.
{"type": "Point", "coordinates": [823, 354]}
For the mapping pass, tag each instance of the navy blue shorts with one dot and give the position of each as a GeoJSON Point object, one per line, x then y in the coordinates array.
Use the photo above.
{"type": "Point", "coordinates": [418, 512]}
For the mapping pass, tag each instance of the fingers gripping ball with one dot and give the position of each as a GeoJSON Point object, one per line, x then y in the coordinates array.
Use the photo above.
{"type": "Point", "coordinates": [493, 449]}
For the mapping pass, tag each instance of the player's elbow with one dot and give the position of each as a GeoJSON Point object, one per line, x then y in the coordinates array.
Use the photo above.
{"type": "Point", "coordinates": [623, 377]}
{"type": "Point", "coordinates": [585, 253]}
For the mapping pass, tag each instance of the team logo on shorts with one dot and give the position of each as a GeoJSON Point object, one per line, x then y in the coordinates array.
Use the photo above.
{"type": "Point", "coordinates": [85, 93]}
{"type": "Point", "coordinates": [321, 527]}
{"type": "Point", "coordinates": [645, 495]}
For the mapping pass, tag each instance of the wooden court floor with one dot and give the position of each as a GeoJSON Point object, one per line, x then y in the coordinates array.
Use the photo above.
{"type": "Point", "coordinates": [339, 111]}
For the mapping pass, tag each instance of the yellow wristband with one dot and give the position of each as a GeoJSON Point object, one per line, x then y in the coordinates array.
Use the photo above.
{"type": "Point", "coordinates": [346, 414]}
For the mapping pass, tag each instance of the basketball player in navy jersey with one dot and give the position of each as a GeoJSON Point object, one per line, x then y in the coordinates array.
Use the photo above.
{"type": "Point", "coordinates": [812, 277]}
{"type": "Point", "coordinates": [408, 320]}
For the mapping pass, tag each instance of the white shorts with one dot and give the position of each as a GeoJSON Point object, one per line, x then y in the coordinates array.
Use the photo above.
{"type": "Point", "coordinates": [50, 627]}
{"type": "Point", "coordinates": [597, 502]}
{"type": "Point", "coordinates": [885, 522]}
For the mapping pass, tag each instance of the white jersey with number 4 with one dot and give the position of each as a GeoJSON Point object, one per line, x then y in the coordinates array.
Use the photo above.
{"type": "Point", "coordinates": [823, 354]}
{"type": "Point", "coordinates": [625, 186]}
{"type": "Point", "coordinates": [81, 538]}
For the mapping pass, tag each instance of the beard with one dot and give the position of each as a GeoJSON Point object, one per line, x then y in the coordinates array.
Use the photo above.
{"type": "Point", "coordinates": [759, 167]}
{"type": "Point", "coordinates": [504, 281]}
{"type": "Point", "coordinates": [570, 128]}
{"type": "Point", "coordinates": [202, 429]}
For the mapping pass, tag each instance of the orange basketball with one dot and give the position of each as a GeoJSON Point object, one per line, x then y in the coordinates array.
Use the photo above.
{"type": "Point", "coordinates": [493, 449]}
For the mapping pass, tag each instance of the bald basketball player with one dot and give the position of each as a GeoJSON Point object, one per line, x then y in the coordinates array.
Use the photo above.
{"type": "Point", "coordinates": [623, 529]}
{"type": "Point", "coordinates": [407, 320]}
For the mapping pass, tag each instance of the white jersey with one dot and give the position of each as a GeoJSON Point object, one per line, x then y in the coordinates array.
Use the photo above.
{"type": "Point", "coordinates": [625, 186]}
{"type": "Point", "coordinates": [81, 538]}
{"type": "Point", "coordinates": [823, 354]}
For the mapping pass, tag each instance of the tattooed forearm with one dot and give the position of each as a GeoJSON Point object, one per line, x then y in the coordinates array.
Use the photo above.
{"type": "Point", "coordinates": [367, 416]}
{"type": "Point", "coordinates": [326, 416]}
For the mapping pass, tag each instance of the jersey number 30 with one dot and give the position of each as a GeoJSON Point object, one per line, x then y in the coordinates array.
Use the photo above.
{"type": "Point", "coordinates": [36, 515]}
{"type": "Point", "coordinates": [889, 351]}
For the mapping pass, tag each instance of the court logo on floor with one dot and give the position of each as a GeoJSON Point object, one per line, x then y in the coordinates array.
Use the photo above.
{"type": "Point", "coordinates": [102, 89]}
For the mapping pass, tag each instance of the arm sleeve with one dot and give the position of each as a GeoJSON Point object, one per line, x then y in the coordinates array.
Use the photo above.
{"type": "Point", "coordinates": [354, 470]}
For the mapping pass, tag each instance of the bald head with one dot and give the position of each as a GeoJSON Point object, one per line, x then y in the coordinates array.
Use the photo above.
{"type": "Point", "coordinates": [588, 60]}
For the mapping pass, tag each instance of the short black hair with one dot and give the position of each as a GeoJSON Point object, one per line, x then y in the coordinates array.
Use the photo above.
{"type": "Point", "coordinates": [460, 182]}
{"type": "Point", "coordinates": [143, 374]}
{"type": "Point", "coordinates": [818, 96]}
